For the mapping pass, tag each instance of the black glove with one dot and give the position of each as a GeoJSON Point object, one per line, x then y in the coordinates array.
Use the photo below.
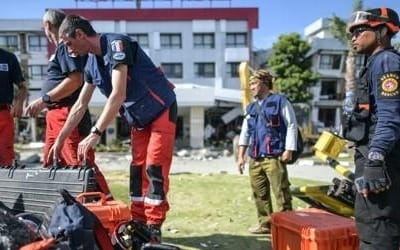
{"type": "Point", "coordinates": [374, 179]}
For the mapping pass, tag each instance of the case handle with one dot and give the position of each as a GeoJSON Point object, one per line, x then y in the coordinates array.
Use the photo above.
{"type": "Point", "coordinates": [84, 196]}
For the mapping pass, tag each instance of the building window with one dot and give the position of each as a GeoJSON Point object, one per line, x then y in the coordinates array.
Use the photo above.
{"type": "Point", "coordinates": [172, 70]}
{"type": "Point", "coordinates": [328, 90]}
{"type": "Point", "coordinates": [327, 117]}
{"type": "Point", "coordinates": [142, 39]}
{"type": "Point", "coordinates": [171, 41]}
{"type": "Point", "coordinates": [204, 70]}
{"type": "Point", "coordinates": [37, 43]}
{"type": "Point", "coordinates": [203, 41]}
{"type": "Point", "coordinates": [236, 40]}
{"type": "Point", "coordinates": [359, 61]}
{"type": "Point", "coordinates": [330, 61]}
{"type": "Point", "coordinates": [232, 69]}
{"type": "Point", "coordinates": [9, 42]}
{"type": "Point", "coordinates": [37, 72]}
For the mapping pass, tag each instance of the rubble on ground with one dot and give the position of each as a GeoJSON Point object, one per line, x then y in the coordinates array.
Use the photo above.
{"type": "Point", "coordinates": [203, 154]}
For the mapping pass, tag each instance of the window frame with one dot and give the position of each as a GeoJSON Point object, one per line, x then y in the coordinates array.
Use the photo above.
{"type": "Point", "coordinates": [41, 45]}
{"type": "Point", "coordinates": [171, 44]}
{"type": "Point", "coordinates": [203, 44]}
{"type": "Point", "coordinates": [328, 62]}
{"type": "Point", "coordinates": [7, 43]}
{"type": "Point", "coordinates": [43, 69]}
{"type": "Point", "coordinates": [235, 43]}
{"type": "Point", "coordinates": [174, 66]}
{"type": "Point", "coordinates": [229, 72]}
{"type": "Point", "coordinates": [324, 115]}
{"type": "Point", "coordinates": [139, 38]}
{"type": "Point", "coordinates": [359, 61]}
{"type": "Point", "coordinates": [326, 86]}
{"type": "Point", "coordinates": [200, 70]}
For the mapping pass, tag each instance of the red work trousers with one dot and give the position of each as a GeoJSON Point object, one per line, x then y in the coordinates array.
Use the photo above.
{"type": "Point", "coordinates": [7, 138]}
{"type": "Point", "coordinates": [152, 150]}
{"type": "Point", "coordinates": [55, 120]}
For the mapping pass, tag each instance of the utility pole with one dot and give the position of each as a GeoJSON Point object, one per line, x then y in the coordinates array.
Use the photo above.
{"type": "Point", "coordinates": [138, 4]}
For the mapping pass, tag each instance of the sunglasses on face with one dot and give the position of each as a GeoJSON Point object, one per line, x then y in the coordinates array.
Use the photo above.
{"type": "Point", "coordinates": [357, 31]}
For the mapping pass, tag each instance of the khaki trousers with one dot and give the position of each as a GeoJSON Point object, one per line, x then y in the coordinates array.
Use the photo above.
{"type": "Point", "coordinates": [265, 175]}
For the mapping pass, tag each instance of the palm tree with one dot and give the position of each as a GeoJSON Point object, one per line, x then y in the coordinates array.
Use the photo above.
{"type": "Point", "coordinates": [338, 29]}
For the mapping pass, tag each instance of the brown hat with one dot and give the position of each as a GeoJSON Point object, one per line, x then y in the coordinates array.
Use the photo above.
{"type": "Point", "coordinates": [262, 75]}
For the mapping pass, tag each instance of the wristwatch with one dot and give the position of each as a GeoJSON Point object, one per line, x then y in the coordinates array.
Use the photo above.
{"type": "Point", "coordinates": [375, 156]}
{"type": "Point", "coordinates": [46, 99]}
{"type": "Point", "coordinates": [96, 131]}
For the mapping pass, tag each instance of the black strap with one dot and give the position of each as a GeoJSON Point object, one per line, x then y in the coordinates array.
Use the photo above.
{"type": "Point", "coordinates": [68, 198]}
{"type": "Point", "coordinates": [135, 46]}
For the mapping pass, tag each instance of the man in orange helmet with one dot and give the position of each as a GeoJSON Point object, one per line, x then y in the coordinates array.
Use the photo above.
{"type": "Point", "coordinates": [374, 126]}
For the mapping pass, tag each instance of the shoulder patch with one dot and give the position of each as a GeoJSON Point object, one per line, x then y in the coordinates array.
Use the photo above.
{"type": "Point", "coordinates": [118, 50]}
{"type": "Point", "coordinates": [389, 86]}
{"type": "Point", "coordinates": [117, 46]}
{"type": "Point", "coordinates": [119, 56]}
{"type": "Point", "coordinates": [3, 67]}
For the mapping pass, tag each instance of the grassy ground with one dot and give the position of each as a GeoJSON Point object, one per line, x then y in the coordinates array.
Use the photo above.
{"type": "Point", "coordinates": [208, 211]}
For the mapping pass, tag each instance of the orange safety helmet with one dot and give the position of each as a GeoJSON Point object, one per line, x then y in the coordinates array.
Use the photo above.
{"type": "Point", "coordinates": [374, 18]}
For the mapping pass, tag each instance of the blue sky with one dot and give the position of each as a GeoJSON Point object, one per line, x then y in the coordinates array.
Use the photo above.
{"type": "Point", "coordinates": [275, 16]}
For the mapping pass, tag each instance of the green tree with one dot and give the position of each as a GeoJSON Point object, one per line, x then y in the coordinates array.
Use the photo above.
{"type": "Point", "coordinates": [293, 75]}
{"type": "Point", "coordinates": [338, 30]}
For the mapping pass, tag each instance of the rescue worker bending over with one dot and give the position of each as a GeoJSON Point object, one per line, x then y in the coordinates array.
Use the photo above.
{"type": "Point", "coordinates": [270, 131]}
{"type": "Point", "coordinates": [59, 92]}
{"type": "Point", "coordinates": [374, 126]}
{"type": "Point", "coordinates": [10, 75]}
{"type": "Point", "coordinates": [143, 96]}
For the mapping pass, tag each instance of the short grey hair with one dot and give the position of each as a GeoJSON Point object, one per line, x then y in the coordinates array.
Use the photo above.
{"type": "Point", "coordinates": [55, 17]}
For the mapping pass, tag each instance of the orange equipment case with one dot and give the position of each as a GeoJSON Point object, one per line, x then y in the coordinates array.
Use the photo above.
{"type": "Point", "coordinates": [312, 229]}
{"type": "Point", "coordinates": [109, 212]}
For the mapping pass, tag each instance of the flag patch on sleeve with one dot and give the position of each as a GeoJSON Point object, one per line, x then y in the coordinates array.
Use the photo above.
{"type": "Point", "coordinates": [117, 47]}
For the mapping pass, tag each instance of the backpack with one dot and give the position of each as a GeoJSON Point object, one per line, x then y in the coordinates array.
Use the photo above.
{"type": "Point", "coordinates": [78, 227]}
{"type": "Point", "coordinates": [299, 148]}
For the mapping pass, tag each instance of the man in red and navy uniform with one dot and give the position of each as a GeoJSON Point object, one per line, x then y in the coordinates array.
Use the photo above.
{"type": "Point", "coordinates": [10, 75]}
{"type": "Point", "coordinates": [137, 89]}
{"type": "Point", "coordinates": [59, 92]}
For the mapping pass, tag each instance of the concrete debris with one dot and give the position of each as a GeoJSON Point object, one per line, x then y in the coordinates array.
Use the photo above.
{"type": "Point", "coordinates": [226, 152]}
{"type": "Point", "coordinates": [183, 153]}
{"type": "Point", "coordinates": [204, 154]}
{"type": "Point", "coordinates": [204, 245]}
{"type": "Point", "coordinates": [173, 230]}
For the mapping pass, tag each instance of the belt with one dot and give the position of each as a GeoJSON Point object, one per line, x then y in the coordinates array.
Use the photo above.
{"type": "Point", "coordinates": [265, 157]}
{"type": "Point", "coordinates": [5, 106]}
{"type": "Point", "coordinates": [57, 106]}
